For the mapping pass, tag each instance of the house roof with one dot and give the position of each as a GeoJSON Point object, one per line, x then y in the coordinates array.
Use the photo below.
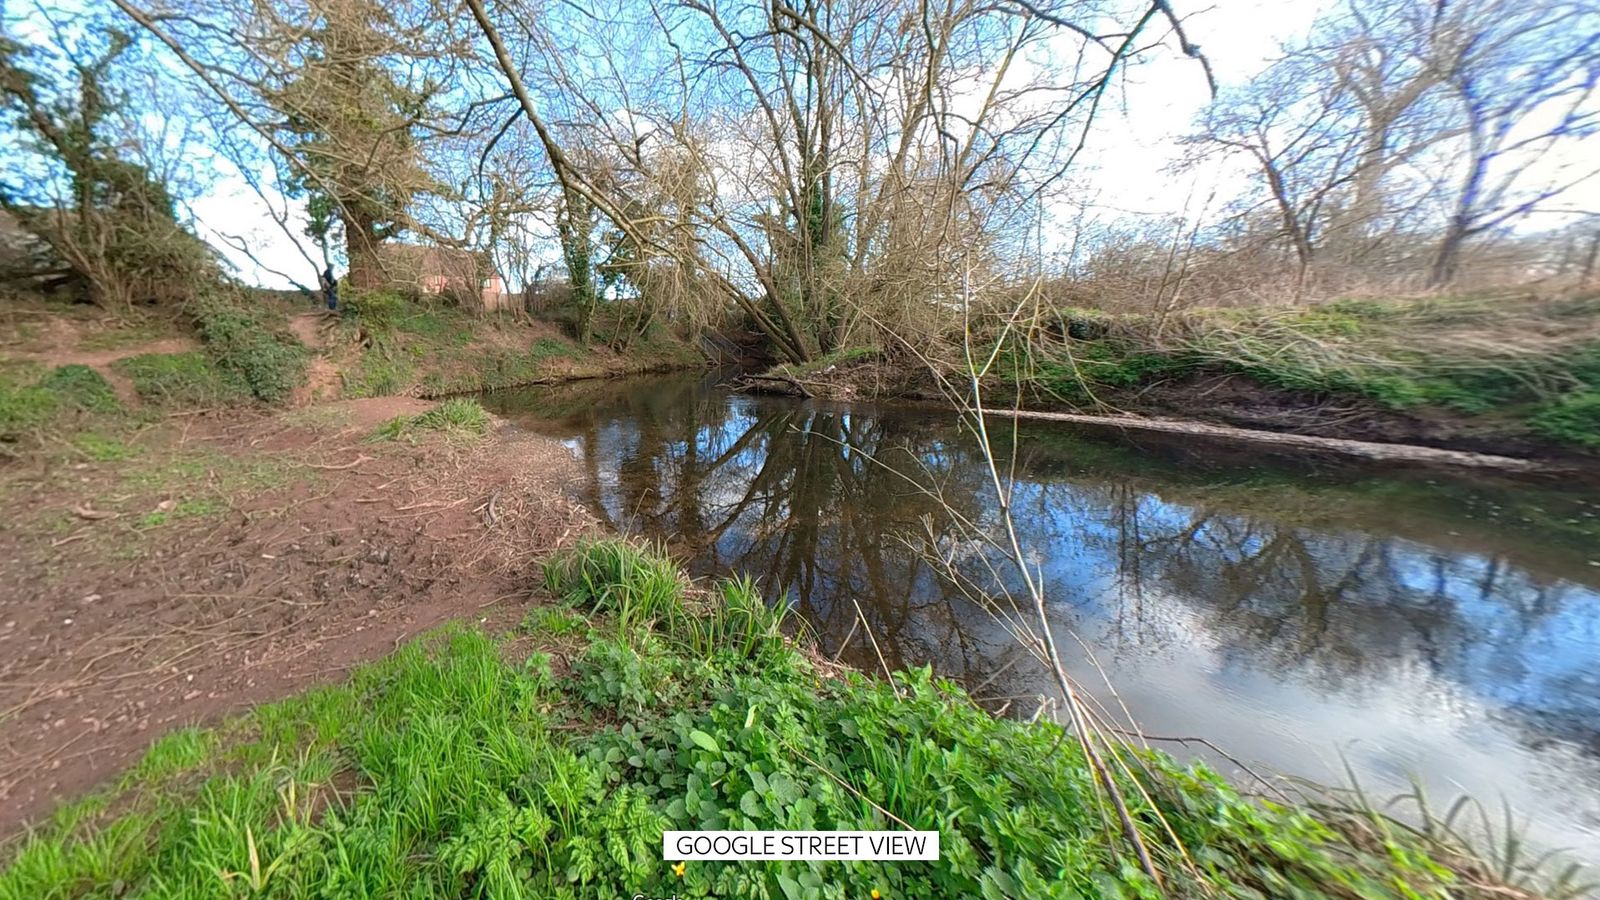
{"type": "Point", "coordinates": [421, 261]}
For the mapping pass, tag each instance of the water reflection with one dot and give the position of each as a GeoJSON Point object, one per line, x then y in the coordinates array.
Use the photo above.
{"type": "Point", "coordinates": [1290, 616]}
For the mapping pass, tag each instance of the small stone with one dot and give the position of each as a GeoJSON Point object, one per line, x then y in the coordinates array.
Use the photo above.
{"type": "Point", "coordinates": [91, 598]}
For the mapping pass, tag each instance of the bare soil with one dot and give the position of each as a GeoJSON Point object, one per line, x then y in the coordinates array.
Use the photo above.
{"type": "Point", "coordinates": [128, 610]}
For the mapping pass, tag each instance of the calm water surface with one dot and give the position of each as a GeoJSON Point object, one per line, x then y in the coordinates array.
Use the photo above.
{"type": "Point", "coordinates": [1299, 616]}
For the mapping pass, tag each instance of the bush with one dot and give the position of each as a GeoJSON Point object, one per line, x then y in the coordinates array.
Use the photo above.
{"type": "Point", "coordinates": [80, 387]}
{"type": "Point", "coordinates": [266, 360]}
{"type": "Point", "coordinates": [1571, 419]}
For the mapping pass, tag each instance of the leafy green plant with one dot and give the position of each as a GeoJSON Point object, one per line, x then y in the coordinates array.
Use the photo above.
{"type": "Point", "coordinates": [476, 775]}
{"type": "Point", "coordinates": [375, 309]}
{"type": "Point", "coordinates": [251, 349]}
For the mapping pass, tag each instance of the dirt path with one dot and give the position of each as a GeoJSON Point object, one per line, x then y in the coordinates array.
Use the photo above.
{"type": "Point", "coordinates": [311, 328]}
{"type": "Point", "coordinates": [118, 625]}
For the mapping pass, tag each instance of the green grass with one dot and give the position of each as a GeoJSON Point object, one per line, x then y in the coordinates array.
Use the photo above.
{"type": "Point", "coordinates": [180, 379]}
{"type": "Point", "coordinates": [457, 768]}
{"type": "Point", "coordinates": [1571, 418]}
{"type": "Point", "coordinates": [111, 336]}
{"type": "Point", "coordinates": [191, 508]}
{"type": "Point", "coordinates": [458, 417]}
{"type": "Point", "coordinates": [103, 448]}
{"type": "Point", "coordinates": [58, 401]}
{"type": "Point", "coordinates": [82, 388]}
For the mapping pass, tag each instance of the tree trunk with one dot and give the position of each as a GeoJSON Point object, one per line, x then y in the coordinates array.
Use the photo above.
{"type": "Point", "coordinates": [1448, 259]}
{"type": "Point", "coordinates": [361, 251]}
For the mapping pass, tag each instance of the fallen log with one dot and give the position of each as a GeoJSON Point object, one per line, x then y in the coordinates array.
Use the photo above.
{"type": "Point", "coordinates": [1370, 450]}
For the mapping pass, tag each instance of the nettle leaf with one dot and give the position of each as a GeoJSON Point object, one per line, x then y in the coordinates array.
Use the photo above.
{"type": "Point", "coordinates": [750, 804]}
{"type": "Point", "coordinates": [704, 741]}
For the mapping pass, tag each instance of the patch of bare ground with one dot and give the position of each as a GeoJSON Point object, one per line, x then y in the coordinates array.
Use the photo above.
{"type": "Point", "coordinates": [116, 627]}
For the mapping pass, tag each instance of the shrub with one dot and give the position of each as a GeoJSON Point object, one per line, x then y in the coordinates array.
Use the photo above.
{"type": "Point", "coordinates": [1571, 419]}
{"type": "Point", "coordinates": [80, 387]}
{"type": "Point", "coordinates": [376, 309]}
{"type": "Point", "coordinates": [267, 360]}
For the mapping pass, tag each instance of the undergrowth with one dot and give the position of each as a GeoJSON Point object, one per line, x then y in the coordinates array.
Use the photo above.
{"type": "Point", "coordinates": [191, 378]}
{"type": "Point", "coordinates": [459, 767]}
{"type": "Point", "coordinates": [60, 401]}
{"type": "Point", "coordinates": [252, 348]}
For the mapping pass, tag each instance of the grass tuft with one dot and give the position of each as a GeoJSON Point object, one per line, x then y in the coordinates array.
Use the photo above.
{"type": "Point", "coordinates": [457, 417]}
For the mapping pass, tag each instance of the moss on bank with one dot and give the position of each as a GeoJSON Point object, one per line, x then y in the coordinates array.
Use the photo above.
{"type": "Point", "coordinates": [465, 766]}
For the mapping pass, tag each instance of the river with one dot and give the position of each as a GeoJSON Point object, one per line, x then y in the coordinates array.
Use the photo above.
{"type": "Point", "coordinates": [1303, 616]}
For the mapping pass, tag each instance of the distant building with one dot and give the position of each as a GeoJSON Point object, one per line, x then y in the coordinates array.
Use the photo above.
{"type": "Point", "coordinates": [466, 276]}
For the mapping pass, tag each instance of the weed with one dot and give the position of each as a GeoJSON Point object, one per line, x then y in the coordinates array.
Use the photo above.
{"type": "Point", "coordinates": [482, 777]}
{"type": "Point", "coordinates": [101, 448]}
{"type": "Point", "coordinates": [182, 509]}
{"type": "Point", "coordinates": [554, 621]}
{"type": "Point", "coordinates": [23, 411]}
{"type": "Point", "coordinates": [614, 577]}
{"type": "Point", "coordinates": [739, 622]}
{"type": "Point", "coordinates": [375, 309]}
{"type": "Point", "coordinates": [116, 337]}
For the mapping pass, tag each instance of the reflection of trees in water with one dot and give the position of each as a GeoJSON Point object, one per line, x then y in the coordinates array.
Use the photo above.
{"type": "Point", "coordinates": [799, 498]}
{"type": "Point", "coordinates": [790, 494]}
{"type": "Point", "coordinates": [1342, 610]}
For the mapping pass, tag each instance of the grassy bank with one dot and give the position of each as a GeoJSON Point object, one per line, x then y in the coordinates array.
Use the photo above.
{"type": "Point", "coordinates": [1511, 373]}
{"type": "Point", "coordinates": [387, 344]}
{"type": "Point", "coordinates": [547, 762]}
{"type": "Point", "coordinates": [1520, 366]}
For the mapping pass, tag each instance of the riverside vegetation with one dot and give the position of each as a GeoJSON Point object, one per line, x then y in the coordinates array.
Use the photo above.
{"type": "Point", "coordinates": [1515, 374]}
{"type": "Point", "coordinates": [547, 762]}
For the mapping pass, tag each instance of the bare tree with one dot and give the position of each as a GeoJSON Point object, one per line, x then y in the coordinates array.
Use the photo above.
{"type": "Point", "coordinates": [1523, 79]}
